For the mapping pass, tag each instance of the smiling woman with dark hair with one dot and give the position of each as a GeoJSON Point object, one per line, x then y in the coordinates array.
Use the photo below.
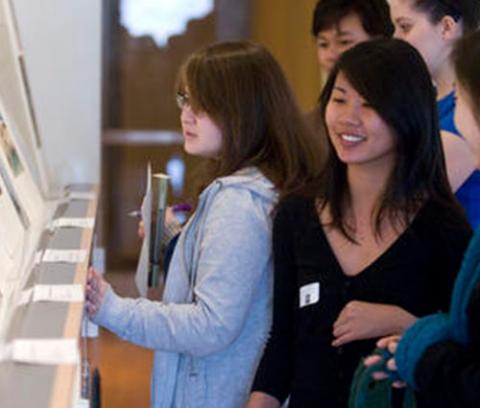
{"type": "Point", "coordinates": [338, 25]}
{"type": "Point", "coordinates": [370, 245]}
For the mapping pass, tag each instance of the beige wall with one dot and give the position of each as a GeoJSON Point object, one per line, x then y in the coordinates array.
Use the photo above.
{"type": "Point", "coordinates": [65, 80]}
{"type": "Point", "coordinates": [284, 27]}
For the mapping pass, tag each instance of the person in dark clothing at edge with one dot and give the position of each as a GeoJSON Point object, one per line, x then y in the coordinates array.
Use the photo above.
{"type": "Point", "coordinates": [372, 244]}
{"type": "Point", "coordinates": [440, 354]}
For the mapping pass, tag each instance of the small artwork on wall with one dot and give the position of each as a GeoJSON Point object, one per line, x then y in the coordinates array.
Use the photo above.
{"type": "Point", "coordinates": [10, 151]}
{"type": "Point", "coordinates": [10, 191]}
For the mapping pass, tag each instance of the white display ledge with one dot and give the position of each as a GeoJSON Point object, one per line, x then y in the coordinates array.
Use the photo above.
{"type": "Point", "coordinates": [32, 385]}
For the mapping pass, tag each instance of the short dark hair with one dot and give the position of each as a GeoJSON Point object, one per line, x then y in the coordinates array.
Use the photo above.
{"type": "Point", "coordinates": [373, 14]}
{"type": "Point", "coordinates": [466, 60]}
{"type": "Point", "coordinates": [468, 11]}
{"type": "Point", "coordinates": [394, 80]}
{"type": "Point", "coordinates": [242, 88]}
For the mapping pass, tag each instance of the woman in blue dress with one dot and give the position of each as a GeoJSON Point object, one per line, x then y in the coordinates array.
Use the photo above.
{"type": "Point", "coordinates": [433, 27]}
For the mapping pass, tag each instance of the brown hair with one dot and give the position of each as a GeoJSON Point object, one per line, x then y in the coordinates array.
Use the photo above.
{"type": "Point", "coordinates": [466, 11]}
{"type": "Point", "coordinates": [244, 91]}
{"type": "Point", "coordinates": [466, 59]}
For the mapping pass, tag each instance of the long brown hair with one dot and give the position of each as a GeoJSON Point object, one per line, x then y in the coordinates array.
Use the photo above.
{"type": "Point", "coordinates": [244, 91]}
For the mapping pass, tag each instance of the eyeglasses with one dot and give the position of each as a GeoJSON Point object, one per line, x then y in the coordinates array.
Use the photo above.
{"type": "Point", "coordinates": [182, 100]}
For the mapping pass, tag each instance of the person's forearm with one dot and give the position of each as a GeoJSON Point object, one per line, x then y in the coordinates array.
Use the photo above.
{"type": "Point", "coordinates": [261, 400]}
{"type": "Point", "coordinates": [403, 320]}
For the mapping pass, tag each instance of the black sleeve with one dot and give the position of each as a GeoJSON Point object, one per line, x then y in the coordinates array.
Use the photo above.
{"type": "Point", "coordinates": [274, 373]}
{"type": "Point", "coordinates": [450, 245]}
{"type": "Point", "coordinates": [448, 375]}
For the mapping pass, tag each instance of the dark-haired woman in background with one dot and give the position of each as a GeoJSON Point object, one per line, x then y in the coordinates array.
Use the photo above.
{"type": "Point", "coordinates": [440, 354]}
{"type": "Point", "coordinates": [433, 26]}
{"type": "Point", "coordinates": [373, 243]}
{"type": "Point", "coordinates": [338, 25]}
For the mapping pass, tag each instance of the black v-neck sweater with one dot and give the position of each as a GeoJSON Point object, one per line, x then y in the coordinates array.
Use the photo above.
{"type": "Point", "coordinates": [416, 273]}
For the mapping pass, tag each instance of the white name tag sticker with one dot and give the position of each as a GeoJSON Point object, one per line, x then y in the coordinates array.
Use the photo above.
{"type": "Point", "coordinates": [309, 294]}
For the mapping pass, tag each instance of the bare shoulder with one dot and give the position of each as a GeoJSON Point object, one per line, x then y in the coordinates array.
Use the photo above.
{"type": "Point", "coordinates": [459, 159]}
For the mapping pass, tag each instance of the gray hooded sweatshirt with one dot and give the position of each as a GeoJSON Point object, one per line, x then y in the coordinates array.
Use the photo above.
{"type": "Point", "coordinates": [210, 330]}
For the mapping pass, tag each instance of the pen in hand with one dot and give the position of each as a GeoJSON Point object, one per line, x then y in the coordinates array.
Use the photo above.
{"type": "Point", "coordinates": [135, 214]}
{"type": "Point", "coordinates": [182, 207]}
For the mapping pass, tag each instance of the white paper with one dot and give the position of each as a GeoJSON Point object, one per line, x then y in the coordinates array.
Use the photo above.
{"type": "Point", "coordinates": [58, 293]}
{"type": "Point", "coordinates": [141, 276]}
{"type": "Point", "coordinates": [81, 195]}
{"type": "Point", "coordinates": [11, 229]}
{"type": "Point", "coordinates": [64, 255]}
{"type": "Point", "coordinates": [38, 257]}
{"type": "Point", "coordinates": [73, 223]}
{"type": "Point", "coordinates": [52, 293]}
{"type": "Point", "coordinates": [25, 297]}
{"type": "Point", "coordinates": [45, 351]}
{"type": "Point", "coordinates": [5, 352]}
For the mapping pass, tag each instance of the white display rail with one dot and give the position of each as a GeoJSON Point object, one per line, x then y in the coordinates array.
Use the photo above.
{"type": "Point", "coordinates": [25, 385]}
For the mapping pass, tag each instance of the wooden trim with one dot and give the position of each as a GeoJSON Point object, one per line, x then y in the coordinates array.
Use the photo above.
{"type": "Point", "coordinates": [62, 390]}
{"type": "Point", "coordinates": [63, 387]}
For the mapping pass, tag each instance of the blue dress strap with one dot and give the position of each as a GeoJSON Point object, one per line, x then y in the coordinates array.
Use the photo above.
{"type": "Point", "coordinates": [469, 192]}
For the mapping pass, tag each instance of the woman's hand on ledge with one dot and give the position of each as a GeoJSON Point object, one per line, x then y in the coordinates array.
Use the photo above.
{"type": "Point", "coordinates": [95, 292]}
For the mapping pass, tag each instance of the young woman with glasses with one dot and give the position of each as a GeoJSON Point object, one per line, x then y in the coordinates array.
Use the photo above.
{"type": "Point", "coordinates": [209, 330]}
